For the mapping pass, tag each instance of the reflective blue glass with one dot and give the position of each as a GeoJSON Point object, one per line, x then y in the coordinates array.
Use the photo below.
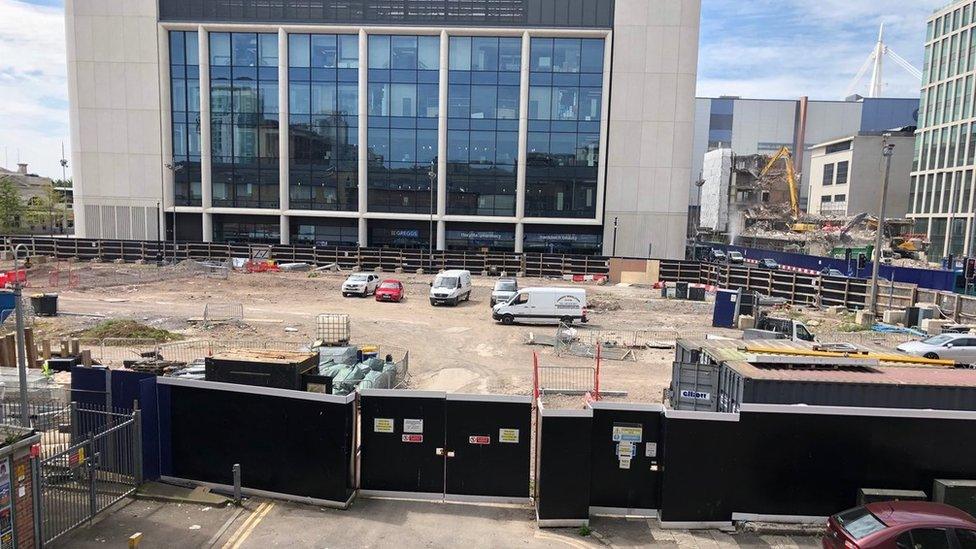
{"type": "Point", "coordinates": [185, 109]}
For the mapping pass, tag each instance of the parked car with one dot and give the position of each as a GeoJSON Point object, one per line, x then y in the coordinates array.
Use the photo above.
{"type": "Point", "coordinates": [736, 258]}
{"type": "Point", "coordinates": [390, 289]}
{"type": "Point", "coordinates": [901, 525]}
{"type": "Point", "coordinates": [828, 271]}
{"type": "Point", "coordinates": [450, 287]}
{"type": "Point", "coordinates": [548, 305]}
{"type": "Point", "coordinates": [767, 263]}
{"type": "Point", "coordinates": [504, 289]}
{"type": "Point", "coordinates": [785, 328]}
{"type": "Point", "coordinates": [958, 347]}
{"type": "Point", "coordinates": [361, 284]}
{"type": "Point", "coordinates": [718, 255]}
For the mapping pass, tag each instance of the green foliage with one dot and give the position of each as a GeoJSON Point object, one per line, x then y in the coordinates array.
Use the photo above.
{"type": "Point", "coordinates": [12, 207]}
{"type": "Point", "coordinates": [127, 329]}
{"type": "Point", "coordinates": [585, 530]}
{"type": "Point", "coordinates": [851, 327]}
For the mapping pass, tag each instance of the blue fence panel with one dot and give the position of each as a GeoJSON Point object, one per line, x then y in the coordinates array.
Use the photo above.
{"type": "Point", "coordinates": [89, 385]}
{"type": "Point", "coordinates": [149, 405]}
{"type": "Point", "coordinates": [924, 278]}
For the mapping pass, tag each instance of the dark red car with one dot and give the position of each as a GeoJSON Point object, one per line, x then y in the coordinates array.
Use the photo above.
{"type": "Point", "coordinates": [901, 525]}
{"type": "Point", "coordinates": [389, 290]}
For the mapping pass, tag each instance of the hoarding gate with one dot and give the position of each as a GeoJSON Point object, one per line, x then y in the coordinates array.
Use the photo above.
{"type": "Point", "coordinates": [433, 445]}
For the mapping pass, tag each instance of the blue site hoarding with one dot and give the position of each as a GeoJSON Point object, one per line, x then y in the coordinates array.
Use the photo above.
{"type": "Point", "coordinates": [935, 279]}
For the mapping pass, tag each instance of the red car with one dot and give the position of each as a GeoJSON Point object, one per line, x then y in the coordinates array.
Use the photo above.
{"type": "Point", "coordinates": [901, 525]}
{"type": "Point", "coordinates": [389, 290]}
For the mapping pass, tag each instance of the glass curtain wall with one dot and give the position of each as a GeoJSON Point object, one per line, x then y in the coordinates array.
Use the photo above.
{"type": "Point", "coordinates": [184, 70]}
{"type": "Point", "coordinates": [323, 99]}
{"type": "Point", "coordinates": [565, 99]}
{"type": "Point", "coordinates": [483, 111]}
{"type": "Point", "coordinates": [402, 133]}
{"type": "Point", "coordinates": [244, 119]}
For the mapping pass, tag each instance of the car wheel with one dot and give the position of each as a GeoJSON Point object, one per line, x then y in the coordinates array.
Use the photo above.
{"type": "Point", "coordinates": [567, 320]}
{"type": "Point", "coordinates": [931, 356]}
{"type": "Point", "coordinates": [344, 294]}
{"type": "Point", "coordinates": [508, 320]}
{"type": "Point", "coordinates": [454, 302]}
{"type": "Point", "coordinates": [433, 303]}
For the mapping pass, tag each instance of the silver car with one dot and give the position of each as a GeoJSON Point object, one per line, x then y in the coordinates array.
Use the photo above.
{"type": "Point", "coordinates": [958, 347]}
{"type": "Point", "coordinates": [505, 288]}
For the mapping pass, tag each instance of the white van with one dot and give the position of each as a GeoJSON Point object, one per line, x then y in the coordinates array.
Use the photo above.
{"type": "Point", "coordinates": [450, 287]}
{"type": "Point", "coordinates": [543, 305]}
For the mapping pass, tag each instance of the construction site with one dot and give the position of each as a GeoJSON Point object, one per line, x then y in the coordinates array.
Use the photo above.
{"type": "Point", "coordinates": [754, 200]}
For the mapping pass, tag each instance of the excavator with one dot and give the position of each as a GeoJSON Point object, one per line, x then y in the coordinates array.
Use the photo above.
{"type": "Point", "coordinates": [785, 154]}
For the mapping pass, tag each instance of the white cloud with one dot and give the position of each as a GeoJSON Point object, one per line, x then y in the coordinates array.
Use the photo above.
{"type": "Point", "coordinates": [33, 86]}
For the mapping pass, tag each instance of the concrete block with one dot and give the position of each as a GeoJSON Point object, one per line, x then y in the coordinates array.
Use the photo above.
{"type": "Point", "coordinates": [747, 322]}
{"type": "Point", "coordinates": [520, 274]}
{"type": "Point", "coordinates": [420, 271]}
{"type": "Point", "coordinates": [893, 317]}
{"type": "Point", "coordinates": [933, 326]}
{"type": "Point", "coordinates": [864, 318]}
{"type": "Point", "coordinates": [835, 310]}
{"type": "Point", "coordinates": [398, 270]}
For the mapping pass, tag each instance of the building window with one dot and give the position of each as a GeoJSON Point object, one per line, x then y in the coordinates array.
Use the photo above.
{"type": "Point", "coordinates": [828, 174]}
{"type": "Point", "coordinates": [825, 199]}
{"type": "Point", "coordinates": [323, 113]}
{"type": "Point", "coordinates": [840, 197]}
{"type": "Point", "coordinates": [565, 98]}
{"type": "Point", "coordinates": [403, 103]}
{"type": "Point", "coordinates": [184, 69]}
{"type": "Point", "coordinates": [842, 173]}
{"type": "Point", "coordinates": [480, 236]}
{"type": "Point", "coordinates": [244, 119]}
{"type": "Point", "coordinates": [557, 239]}
{"type": "Point", "coordinates": [390, 233]}
{"type": "Point", "coordinates": [838, 147]}
{"type": "Point", "coordinates": [311, 231]}
{"type": "Point", "coordinates": [246, 229]}
{"type": "Point", "coordinates": [482, 138]}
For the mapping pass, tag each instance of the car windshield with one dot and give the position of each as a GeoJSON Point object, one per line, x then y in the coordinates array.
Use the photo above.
{"type": "Point", "coordinates": [389, 285]}
{"type": "Point", "coordinates": [357, 278]}
{"type": "Point", "coordinates": [446, 282]}
{"type": "Point", "coordinates": [938, 340]}
{"type": "Point", "coordinates": [506, 286]}
{"type": "Point", "coordinates": [859, 522]}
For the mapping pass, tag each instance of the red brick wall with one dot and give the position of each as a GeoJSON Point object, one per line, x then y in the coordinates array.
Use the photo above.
{"type": "Point", "coordinates": [23, 505]}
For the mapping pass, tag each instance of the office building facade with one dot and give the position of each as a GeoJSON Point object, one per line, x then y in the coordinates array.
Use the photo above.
{"type": "Point", "coordinates": [941, 188]}
{"type": "Point", "coordinates": [511, 125]}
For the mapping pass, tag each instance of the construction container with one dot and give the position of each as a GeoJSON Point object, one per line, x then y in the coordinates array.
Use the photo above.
{"type": "Point", "coordinates": [725, 309]}
{"type": "Point", "coordinates": [264, 368]}
{"type": "Point", "coordinates": [45, 304]}
{"type": "Point", "coordinates": [681, 290]}
{"type": "Point", "coordinates": [332, 329]}
{"type": "Point", "coordinates": [961, 494]}
{"type": "Point", "coordinates": [872, 387]}
{"type": "Point", "coordinates": [694, 386]}
{"type": "Point", "coordinates": [696, 293]}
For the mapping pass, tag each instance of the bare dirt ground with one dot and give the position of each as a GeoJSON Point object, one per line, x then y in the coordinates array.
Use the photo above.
{"type": "Point", "coordinates": [455, 349]}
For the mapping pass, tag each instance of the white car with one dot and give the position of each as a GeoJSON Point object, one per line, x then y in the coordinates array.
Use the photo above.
{"type": "Point", "coordinates": [361, 284]}
{"type": "Point", "coordinates": [958, 347]}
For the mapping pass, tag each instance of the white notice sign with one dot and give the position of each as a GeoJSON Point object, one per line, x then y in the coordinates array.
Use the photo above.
{"type": "Point", "coordinates": [413, 426]}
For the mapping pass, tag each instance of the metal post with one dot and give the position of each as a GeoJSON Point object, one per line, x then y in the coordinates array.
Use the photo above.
{"type": "Point", "coordinates": [613, 252]}
{"type": "Point", "coordinates": [137, 444]}
{"type": "Point", "coordinates": [236, 469]}
{"type": "Point", "coordinates": [432, 174]}
{"type": "Point", "coordinates": [887, 150]}
{"type": "Point", "coordinates": [21, 341]}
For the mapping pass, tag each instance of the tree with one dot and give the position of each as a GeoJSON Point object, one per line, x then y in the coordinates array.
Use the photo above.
{"type": "Point", "coordinates": [11, 205]}
{"type": "Point", "coordinates": [47, 208]}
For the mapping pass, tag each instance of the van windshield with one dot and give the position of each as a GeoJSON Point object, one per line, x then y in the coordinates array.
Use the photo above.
{"type": "Point", "coordinates": [506, 286]}
{"type": "Point", "coordinates": [446, 282]}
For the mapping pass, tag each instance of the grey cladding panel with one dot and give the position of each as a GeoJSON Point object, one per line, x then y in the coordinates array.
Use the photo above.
{"type": "Point", "coordinates": [481, 13]}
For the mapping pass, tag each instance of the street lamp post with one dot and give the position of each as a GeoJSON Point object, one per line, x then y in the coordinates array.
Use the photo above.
{"type": "Point", "coordinates": [175, 168]}
{"type": "Point", "coordinates": [700, 183]}
{"type": "Point", "coordinates": [887, 150]}
{"type": "Point", "coordinates": [432, 174]}
{"type": "Point", "coordinates": [613, 251]}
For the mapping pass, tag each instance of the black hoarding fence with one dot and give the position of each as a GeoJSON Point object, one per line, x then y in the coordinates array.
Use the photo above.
{"type": "Point", "coordinates": [562, 473]}
{"type": "Point", "coordinates": [386, 259]}
{"type": "Point", "coordinates": [289, 444]}
{"type": "Point", "coordinates": [626, 459]}
{"type": "Point", "coordinates": [445, 446]}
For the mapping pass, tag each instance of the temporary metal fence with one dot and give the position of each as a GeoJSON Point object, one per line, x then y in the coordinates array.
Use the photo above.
{"type": "Point", "coordinates": [222, 312]}
{"type": "Point", "coordinates": [69, 275]}
{"type": "Point", "coordinates": [564, 380]}
{"type": "Point", "coordinates": [98, 469]}
{"type": "Point", "coordinates": [387, 259]}
{"type": "Point", "coordinates": [196, 349]}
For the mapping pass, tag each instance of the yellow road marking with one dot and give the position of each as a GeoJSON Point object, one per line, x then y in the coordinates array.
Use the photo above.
{"type": "Point", "coordinates": [253, 525]}
{"type": "Point", "coordinates": [242, 527]}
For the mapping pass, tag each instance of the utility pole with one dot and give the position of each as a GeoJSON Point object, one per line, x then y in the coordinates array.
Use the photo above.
{"type": "Point", "coordinates": [21, 341]}
{"type": "Point", "coordinates": [613, 252]}
{"type": "Point", "coordinates": [700, 183]}
{"type": "Point", "coordinates": [432, 174]}
{"type": "Point", "coordinates": [887, 150]}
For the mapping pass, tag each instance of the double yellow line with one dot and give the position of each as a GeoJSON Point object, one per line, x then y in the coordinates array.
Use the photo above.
{"type": "Point", "coordinates": [249, 525]}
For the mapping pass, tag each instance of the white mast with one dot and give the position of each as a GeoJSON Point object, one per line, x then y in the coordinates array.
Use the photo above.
{"type": "Point", "coordinates": [876, 74]}
{"type": "Point", "coordinates": [875, 62]}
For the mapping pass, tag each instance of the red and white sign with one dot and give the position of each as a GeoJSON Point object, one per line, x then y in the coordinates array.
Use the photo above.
{"type": "Point", "coordinates": [479, 439]}
{"type": "Point", "coordinates": [412, 438]}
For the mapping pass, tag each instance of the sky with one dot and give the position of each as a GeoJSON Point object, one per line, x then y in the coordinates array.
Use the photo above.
{"type": "Point", "coordinates": [757, 48]}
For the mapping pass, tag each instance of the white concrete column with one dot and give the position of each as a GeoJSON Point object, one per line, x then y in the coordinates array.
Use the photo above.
{"type": "Point", "coordinates": [168, 197]}
{"type": "Point", "coordinates": [523, 143]}
{"type": "Point", "coordinates": [206, 159]}
{"type": "Point", "coordinates": [442, 140]}
{"type": "Point", "coordinates": [601, 174]}
{"type": "Point", "coordinates": [284, 227]}
{"type": "Point", "coordinates": [284, 151]}
{"type": "Point", "coordinates": [441, 235]}
{"type": "Point", "coordinates": [363, 136]}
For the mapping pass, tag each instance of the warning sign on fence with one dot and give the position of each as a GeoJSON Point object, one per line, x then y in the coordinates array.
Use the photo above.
{"type": "Point", "coordinates": [508, 436]}
{"type": "Point", "coordinates": [479, 439]}
{"type": "Point", "coordinates": [627, 432]}
{"type": "Point", "coordinates": [413, 426]}
{"type": "Point", "coordinates": [412, 438]}
{"type": "Point", "coordinates": [383, 425]}
{"type": "Point", "coordinates": [74, 458]}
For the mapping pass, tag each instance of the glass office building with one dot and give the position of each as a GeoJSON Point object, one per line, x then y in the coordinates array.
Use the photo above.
{"type": "Point", "coordinates": [457, 124]}
{"type": "Point", "coordinates": [941, 187]}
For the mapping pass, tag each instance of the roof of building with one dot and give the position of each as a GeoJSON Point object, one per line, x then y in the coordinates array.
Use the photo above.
{"type": "Point", "coordinates": [896, 133]}
{"type": "Point", "coordinates": [29, 184]}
